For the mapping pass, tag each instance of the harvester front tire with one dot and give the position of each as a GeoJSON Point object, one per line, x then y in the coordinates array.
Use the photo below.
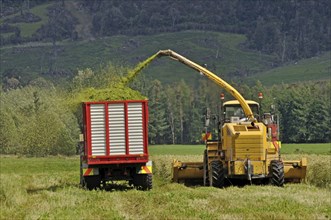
{"type": "Point", "coordinates": [277, 173]}
{"type": "Point", "coordinates": [217, 174]}
{"type": "Point", "coordinates": [205, 169]}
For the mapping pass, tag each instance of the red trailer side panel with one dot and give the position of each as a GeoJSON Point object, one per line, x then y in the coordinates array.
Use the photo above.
{"type": "Point", "coordinates": [116, 132]}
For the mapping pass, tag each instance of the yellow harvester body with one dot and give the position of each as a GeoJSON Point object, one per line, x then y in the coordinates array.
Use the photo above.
{"type": "Point", "coordinates": [245, 151]}
{"type": "Point", "coordinates": [246, 148]}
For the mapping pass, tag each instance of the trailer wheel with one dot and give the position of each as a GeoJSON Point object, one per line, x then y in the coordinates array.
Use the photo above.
{"type": "Point", "coordinates": [91, 182]}
{"type": "Point", "coordinates": [143, 181]}
{"type": "Point", "coordinates": [217, 174]}
{"type": "Point", "coordinates": [277, 173]}
{"type": "Point", "coordinates": [148, 182]}
{"type": "Point", "coordinates": [205, 169]}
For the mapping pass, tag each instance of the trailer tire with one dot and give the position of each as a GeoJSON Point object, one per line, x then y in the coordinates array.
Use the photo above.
{"type": "Point", "coordinates": [205, 169]}
{"type": "Point", "coordinates": [217, 174]}
{"type": "Point", "coordinates": [143, 181]}
{"type": "Point", "coordinates": [91, 182]}
{"type": "Point", "coordinates": [148, 182]}
{"type": "Point", "coordinates": [277, 173]}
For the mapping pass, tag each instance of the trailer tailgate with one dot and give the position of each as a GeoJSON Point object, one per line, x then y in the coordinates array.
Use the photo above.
{"type": "Point", "coordinates": [115, 132]}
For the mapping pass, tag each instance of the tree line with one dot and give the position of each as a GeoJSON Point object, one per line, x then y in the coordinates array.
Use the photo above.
{"type": "Point", "coordinates": [43, 119]}
{"type": "Point", "coordinates": [177, 111]}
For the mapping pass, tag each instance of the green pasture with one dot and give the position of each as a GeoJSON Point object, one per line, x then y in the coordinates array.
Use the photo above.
{"type": "Point", "coordinates": [324, 148]}
{"type": "Point", "coordinates": [176, 149]}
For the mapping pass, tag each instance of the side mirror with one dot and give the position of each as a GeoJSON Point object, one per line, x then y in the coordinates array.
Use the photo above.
{"type": "Point", "coordinates": [207, 123]}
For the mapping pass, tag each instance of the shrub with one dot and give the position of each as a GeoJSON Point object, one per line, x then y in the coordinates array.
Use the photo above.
{"type": "Point", "coordinates": [36, 121]}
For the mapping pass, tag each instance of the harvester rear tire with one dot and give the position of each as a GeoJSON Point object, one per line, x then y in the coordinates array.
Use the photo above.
{"type": "Point", "coordinates": [277, 173]}
{"type": "Point", "coordinates": [205, 169]}
{"type": "Point", "coordinates": [217, 174]}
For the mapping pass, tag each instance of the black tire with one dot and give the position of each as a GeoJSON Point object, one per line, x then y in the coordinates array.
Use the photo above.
{"type": "Point", "coordinates": [217, 173]}
{"type": "Point", "coordinates": [91, 182]}
{"type": "Point", "coordinates": [277, 173]}
{"type": "Point", "coordinates": [205, 169]}
{"type": "Point", "coordinates": [143, 181]}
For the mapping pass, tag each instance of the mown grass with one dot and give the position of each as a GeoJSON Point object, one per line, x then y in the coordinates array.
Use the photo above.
{"type": "Point", "coordinates": [47, 188]}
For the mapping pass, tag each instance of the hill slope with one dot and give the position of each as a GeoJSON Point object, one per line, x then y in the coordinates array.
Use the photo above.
{"type": "Point", "coordinates": [276, 27]}
{"type": "Point", "coordinates": [221, 52]}
{"type": "Point", "coordinates": [315, 68]}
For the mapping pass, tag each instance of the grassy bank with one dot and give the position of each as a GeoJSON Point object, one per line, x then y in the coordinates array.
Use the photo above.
{"type": "Point", "coordinates": [42, 188]}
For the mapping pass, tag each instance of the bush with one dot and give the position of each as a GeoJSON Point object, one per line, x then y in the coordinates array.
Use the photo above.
{"type": "Point", "coordinates": [36, 121]}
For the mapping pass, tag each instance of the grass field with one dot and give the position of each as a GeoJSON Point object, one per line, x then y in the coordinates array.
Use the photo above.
{"type": "Point", "coordinates": [47, 188]}
{"type": "Point", "coordinates": [156, 150]}
{"type": "Point", "coordinates": [324, 148]}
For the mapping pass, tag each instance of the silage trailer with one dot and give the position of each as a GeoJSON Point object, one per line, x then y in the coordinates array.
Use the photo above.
{"type": "Point", "coordinates": [115, 144]}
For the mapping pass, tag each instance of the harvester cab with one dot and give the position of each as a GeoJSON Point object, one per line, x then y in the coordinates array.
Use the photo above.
{"type": "Point", "coordinates": [233, 112]}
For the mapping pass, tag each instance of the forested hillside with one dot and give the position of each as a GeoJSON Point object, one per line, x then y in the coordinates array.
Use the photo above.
{"type": "Point", "coordinates": [289, 29]}
{"type": "Point", "coordinates": [237, 39]}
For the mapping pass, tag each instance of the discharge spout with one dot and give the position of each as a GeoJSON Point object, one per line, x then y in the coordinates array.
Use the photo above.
{"type": "Point", "coordinates": [247, 110]}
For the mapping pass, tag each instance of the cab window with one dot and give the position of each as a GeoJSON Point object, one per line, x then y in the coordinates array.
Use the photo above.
{"type": "Point", "coordinates": [237, 111]}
